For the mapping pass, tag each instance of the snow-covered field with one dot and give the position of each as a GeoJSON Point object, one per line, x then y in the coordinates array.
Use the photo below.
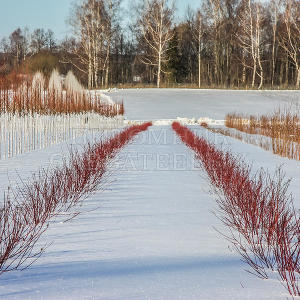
{"type": "Point", "coordinates": [172, 103]}
{"type": "Point", "coordinates": [151, 233]}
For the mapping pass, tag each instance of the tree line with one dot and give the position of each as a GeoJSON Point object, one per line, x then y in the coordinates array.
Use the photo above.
{"type": "Point", "coordinates": [223, 43]}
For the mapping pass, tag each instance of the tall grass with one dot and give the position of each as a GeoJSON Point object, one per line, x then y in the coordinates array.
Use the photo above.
{"type": "Point", "coordinates": [258, 140]}
{"type": "Point", "coordinates": [282, 126]}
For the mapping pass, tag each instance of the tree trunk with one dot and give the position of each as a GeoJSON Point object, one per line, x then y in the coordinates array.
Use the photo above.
{"type": "Point", "coordinates": [253, 75]}
{"type": "Point", "coordinates": [298, 77]}
{"type": "Point", "coordinates": [106, 75]}
{"type": "Point", "coordinates": [273, 45]}
{"type": "Point", "coordinates": [287, 70]}
{"type": "Point", "coordinates": [159, 70]}
{"type": "Point", "coordinates": [216, 69]}
{"type": "Point", "coordinates": [281, 74]}
{"type": "Point", "coordinates": [90, 75]}
{"type": "Point", "coordinates": [261, 79]}
{"type": "Point", "coordinates": [261, 71]}
{"type": "Point", "coordinates": [199, 70]}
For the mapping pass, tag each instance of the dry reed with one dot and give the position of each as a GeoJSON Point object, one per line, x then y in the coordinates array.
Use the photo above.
{"type": "Point", "coordinates": [282, 126]}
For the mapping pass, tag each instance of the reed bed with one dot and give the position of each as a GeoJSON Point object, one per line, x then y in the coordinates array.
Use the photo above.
{"type": "Point", "coordinates": [256, 208]}
{"type": "Point", "coordinates": [27, 210]}
{"type": "Point", "coordinates": [282, 126]}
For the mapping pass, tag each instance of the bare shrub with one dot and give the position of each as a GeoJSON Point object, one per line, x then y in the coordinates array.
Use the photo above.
{"type": "Point", "coordinates": [32, 98]}
{"type": "Point", "coordinates": [257, 209]}
{"type": "Point", "coordinates": [38, 83]}
{"type": "Point", "coordinates": [282, 126]}
{"type": "Point", "coordinates": [55, 85]}
{"type": "Point", "coordinates": [50, 192]}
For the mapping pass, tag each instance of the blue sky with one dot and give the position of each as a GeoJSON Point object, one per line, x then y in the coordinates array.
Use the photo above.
{"type": "Point", "coordinates": [47, 14]}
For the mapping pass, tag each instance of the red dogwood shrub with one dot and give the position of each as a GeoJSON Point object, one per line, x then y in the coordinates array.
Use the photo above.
{"type": "Point", "coordinates": [255, 207]}
{"type": "Point", "coordinates": [26, 211]}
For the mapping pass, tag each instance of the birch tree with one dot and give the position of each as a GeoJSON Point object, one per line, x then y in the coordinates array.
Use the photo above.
{"type": "Point", "coordinates": [274, 11]}
{"type": "Point", "coordinates": [198, 32]}
{"type": "Point", "coordinates": [92, 22]}
{"type": "Point", "coordinates": [110, 30]}
{"type": "Point", "coordinates": [215, 15]}
{"type": "Point", "coordinates": [290, 37]}
{"type": "Point", "coordinates": [250, 38]}
{"type": "Point", "coordinates": [155, 23]}
{"type": "Point", "coordinates": [88, 27]}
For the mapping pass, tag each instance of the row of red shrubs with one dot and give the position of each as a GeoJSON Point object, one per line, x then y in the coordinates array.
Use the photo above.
{"type": "Point", "coordinates": [264, 227]}
{"type": "Point", "coordinates": [27, 210]}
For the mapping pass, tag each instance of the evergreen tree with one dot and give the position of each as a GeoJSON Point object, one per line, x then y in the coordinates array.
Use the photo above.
{"type": "Point", "coordinates": [176, 69]}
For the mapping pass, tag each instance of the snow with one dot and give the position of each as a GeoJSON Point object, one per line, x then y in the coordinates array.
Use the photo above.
{"type": "Point", "coordinates": [149, 232]}
{"type": "Point", "coordinates": [183, 121]}
{"type": "Point", "coordinates": [259, 158]}
{"type": "Point", "coordinates": [151, 104]}
{"type": "Point", "coordinates": [106, 99]}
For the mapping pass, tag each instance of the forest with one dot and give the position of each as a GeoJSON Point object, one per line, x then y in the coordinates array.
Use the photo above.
{"type": "Point", "coordinates": [243, 44]}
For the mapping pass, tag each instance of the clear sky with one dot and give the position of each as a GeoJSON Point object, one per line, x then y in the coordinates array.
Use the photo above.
{"type": "Point", "coordinates": [47, 14]}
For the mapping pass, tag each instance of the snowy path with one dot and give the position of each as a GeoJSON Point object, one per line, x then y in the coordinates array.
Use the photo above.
{"type": "Point", "coordinates": [152, 235]}
{"type": "Point", "coordinates": [151, 238]}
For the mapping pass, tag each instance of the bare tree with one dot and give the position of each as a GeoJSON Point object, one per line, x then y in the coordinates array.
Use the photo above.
{"type": "Point", "coordinates": [4, 45]}
{"type": "Point", "coordinates": [215, 14]}
{"type": "Point", "coordinates": [274, 11]}
{"type": "Point", "coordinates": [87, 23]}
{"type": "Point", "coordinates": [26, 43]}
{"type": "Point", "coordinates": [111, 28]}
{"type": "Point", "coordinates": [92, 22]}
{"type": "Point", "coordinates": [50, 40]}
{"type": "Point", "coordinates": [198, 32]}
{"type": "Point", "coordinates": [155, 23]}
{"type": "Point", "coordinates": [19, 45]}
{"type": "Point", "coordinates": [38, 40]}
{"type": "Point", "coordinates": [289, 38]}
{"type": "Point", "coordinates": [250, 22]}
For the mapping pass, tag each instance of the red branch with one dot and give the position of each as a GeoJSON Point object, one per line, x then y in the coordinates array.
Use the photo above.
{"type": "Point", "coordinates": [50, 192]}
{"type": "Point", "coordinates": [256, 208]}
